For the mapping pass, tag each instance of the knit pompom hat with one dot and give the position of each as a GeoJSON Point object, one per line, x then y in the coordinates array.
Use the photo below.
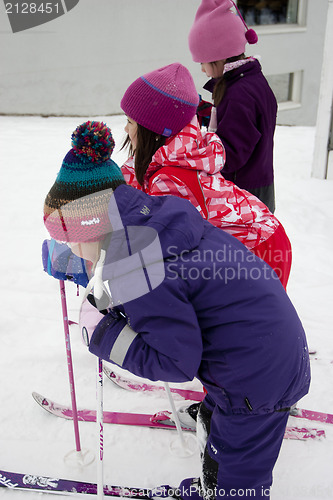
{"type": "Point", "coordinates": [163, 101]}
{"type": "Point", "coordinates": [218, 33]}
{"type": "Point", "coordinates": [76, 207]}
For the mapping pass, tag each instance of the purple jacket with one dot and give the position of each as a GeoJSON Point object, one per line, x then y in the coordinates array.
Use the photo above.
{"type": "Point", "coordinates": [220, 314]}
{"type": "Point", "coordinates": [246, 120]}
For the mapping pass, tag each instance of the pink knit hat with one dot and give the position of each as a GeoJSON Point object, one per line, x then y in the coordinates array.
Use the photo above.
{"type": "Point", "coordinates": [218, 33]}
{"type": "Point", "coordinates": [163, 101]}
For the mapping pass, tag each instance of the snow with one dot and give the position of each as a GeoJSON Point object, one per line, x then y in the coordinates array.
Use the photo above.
{"type": "Point", "coordinates": [33, 356]}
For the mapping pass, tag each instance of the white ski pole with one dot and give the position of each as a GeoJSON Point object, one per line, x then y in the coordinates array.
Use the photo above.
{"type": "Point", "coordinates": [99, 420]}
{"type": "Point", "coordinates": [175, 414]}
{"type": "Point", "coordinates": [188, 446]}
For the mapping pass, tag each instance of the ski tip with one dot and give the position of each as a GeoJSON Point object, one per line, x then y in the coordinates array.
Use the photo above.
{"type": "Point", "coordinates": [51, 407]}
{"type": "Point", "coordinates": [41, 400]}
{"type": "Point", "coordinates": [109, 373]}
{"type": "Point", "coordinates": [38, 398]}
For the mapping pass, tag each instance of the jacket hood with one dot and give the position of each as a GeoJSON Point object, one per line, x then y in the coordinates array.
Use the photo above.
{"type": "Point", "coordinates": [191, 148]}
{"type": "Point", "coordinates": [146, 230]}
{"type": "Point", "coordinates": [177, 223]}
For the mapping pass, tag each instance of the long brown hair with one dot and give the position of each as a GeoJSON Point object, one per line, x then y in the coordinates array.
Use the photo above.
{"type": "Point", "coordinates": [220, 86]}
{"type": "Point", "coordinates": [147, 143]}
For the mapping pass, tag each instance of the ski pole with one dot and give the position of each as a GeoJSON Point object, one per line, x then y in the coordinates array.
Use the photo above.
{"type": "Point", "coordinates": [186, 447]}
{"type": "Point", "coordinates": [70, 364]}
{"type": "Point", "coordinates": [175, 414]}
{"type": "Point", "coordinates": [99, 420]}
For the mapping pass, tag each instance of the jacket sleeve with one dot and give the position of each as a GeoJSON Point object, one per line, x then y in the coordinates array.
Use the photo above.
{"type": "Point", "coordinates": [163, 185]}
{"type": "Point", "coordinates": [237, 128]}
{"type": "Point", "coordinates": [128, 172]}
{"type": "Point", "coordinates": [161, 339]}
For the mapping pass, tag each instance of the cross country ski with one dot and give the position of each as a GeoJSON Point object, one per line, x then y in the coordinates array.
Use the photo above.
{"type": "Point", "coordinates": [130, 385]}
{"type": "Point", "coordinates": [47, 484]}
{"type": "Point", "coordinates": [160, 420]}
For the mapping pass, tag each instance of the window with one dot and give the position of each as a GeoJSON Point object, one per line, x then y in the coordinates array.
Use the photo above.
{"type": "Point", "coordinates": [256, 12]}
{"type": "Point", "coordinates": [287, 89]}
{"type": "Point", "coordinates": [281, 86]}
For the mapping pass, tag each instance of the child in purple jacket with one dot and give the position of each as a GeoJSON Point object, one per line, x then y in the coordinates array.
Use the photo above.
{"type": "Point", "coordinates": [246, 107]}
{"type": "Point", "coordinates": [183, 299]}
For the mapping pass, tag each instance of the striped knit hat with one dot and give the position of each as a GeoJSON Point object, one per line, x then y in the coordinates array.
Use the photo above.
{"type": "Point", "coordinates": [76, 207]}
{"type": "Point", "coordinates": [163, 101]}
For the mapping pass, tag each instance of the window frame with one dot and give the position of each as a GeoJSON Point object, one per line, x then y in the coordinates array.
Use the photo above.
{"type": "Point", "coordinates": [272, 29]}
{"type": "Point", "coordinates": [296, 85]}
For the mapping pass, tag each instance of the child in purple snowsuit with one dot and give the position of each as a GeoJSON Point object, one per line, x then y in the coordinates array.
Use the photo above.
{"type": "Point", "coordinates": [246, 107]}
{"type": "Point", "coordinates": [185, 299]}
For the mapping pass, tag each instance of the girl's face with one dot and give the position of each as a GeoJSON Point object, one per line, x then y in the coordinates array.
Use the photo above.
{"type": "Point", "coordinates": [213, 70]}
{"type": "Point", "coordinates": [87, 251]}
{"type": "Point", "coordinates": [131, 129]}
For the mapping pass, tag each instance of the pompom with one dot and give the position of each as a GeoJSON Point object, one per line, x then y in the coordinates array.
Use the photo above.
{"type": "Point", "coordinates": [251, 36]}
{"type": "Point", "coordinates": [93, 141]}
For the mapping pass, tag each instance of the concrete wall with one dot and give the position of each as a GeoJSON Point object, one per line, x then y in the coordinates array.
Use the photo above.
{"type": "Point", "coordinates": [82, 62]}
{"type": "Point", "coordinates": [299, 50]}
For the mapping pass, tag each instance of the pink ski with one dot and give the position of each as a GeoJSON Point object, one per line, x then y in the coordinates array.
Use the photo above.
{"type": "Point", "coordinates": [303, 433]}
{"type": "Point", "coordinates": [131, 385]}
{"type": "Point", "coordinates": [161, 420]}
{"type": "Point", "coordinates": [318, 416]}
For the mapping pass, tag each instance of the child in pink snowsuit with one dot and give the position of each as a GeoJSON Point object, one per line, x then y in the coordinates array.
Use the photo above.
{"type": "Point", "coordinates": [181, 160]}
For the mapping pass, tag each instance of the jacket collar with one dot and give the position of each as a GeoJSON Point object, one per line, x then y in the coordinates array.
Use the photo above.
{"type": "Point", "coordinates": [233, 73]}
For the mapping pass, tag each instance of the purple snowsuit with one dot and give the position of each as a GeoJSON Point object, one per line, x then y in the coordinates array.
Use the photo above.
{"type": "Point", "coordinates": [220, 314]}
{"type": "Point", "coordinates": [246, 119]}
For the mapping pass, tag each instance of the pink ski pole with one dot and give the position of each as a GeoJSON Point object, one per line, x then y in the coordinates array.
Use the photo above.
{"type": "Point", "coordinates": [70, 364]}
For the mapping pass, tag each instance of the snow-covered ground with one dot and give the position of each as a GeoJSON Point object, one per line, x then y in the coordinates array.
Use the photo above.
{"type": "Point", "coordinates": [32, 352]}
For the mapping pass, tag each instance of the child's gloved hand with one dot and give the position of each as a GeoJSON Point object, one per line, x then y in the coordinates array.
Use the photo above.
{"type": "Point", "coordinates": [89, 318]}
{"type": "Point", "coordinates": [60, 262]}
{"type": "Point", "coordinates": [106, 333]}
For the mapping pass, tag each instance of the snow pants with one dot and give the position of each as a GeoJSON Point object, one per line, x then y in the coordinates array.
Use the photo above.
{"type": "Point", "coordinates": [238, 454]}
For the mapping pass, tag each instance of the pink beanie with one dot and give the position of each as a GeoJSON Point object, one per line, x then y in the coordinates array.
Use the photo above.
{"type": "Point", "coordinates": [163, 101]}
{"type": "Point", "coordinates": [218, 33]}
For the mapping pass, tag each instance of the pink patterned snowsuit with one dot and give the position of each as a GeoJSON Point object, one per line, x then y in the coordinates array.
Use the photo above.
{"type": "Point", "coordinates": [188, 166]}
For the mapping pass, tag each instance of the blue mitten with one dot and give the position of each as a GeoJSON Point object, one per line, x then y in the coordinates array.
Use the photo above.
{"type": "Point", "coordinates": [60, 262]}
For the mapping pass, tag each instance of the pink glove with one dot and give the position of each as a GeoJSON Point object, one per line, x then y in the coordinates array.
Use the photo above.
{"type": "Point", "coordinates": [89, 318]}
